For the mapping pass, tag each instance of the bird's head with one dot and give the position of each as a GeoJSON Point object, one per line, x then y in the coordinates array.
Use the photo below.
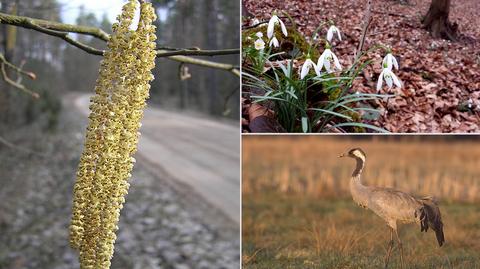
{"type": "Point", "coordinates": [356, 153]}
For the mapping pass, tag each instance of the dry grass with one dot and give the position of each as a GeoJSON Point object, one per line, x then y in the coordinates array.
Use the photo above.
{"type": "Point", "coordinates": [295, 231]}
{"type": "Point", "coordinates": [446, 169]}
{"type": "Point", "coordinates": [297, 210]}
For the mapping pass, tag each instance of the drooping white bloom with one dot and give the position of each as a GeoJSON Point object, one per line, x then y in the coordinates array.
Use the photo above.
{"type": "Point", "coordinates": [388, 61]}
{"type": "Point", "coordinates": [259, 44]}
{"type": "Point", "coordinates": [271, 24]}
{"type": "Point", "coordinates": [306, 68]}
{"type": "Point", "coordinates": [274, 42]}
{"type": "Point", "coordinates": [390, 79]}
{"type": "Point", "coordinates": [325, 60]}
{"type": "Point", "coordinates": [259, 34]}
{"type": "Point", "coordinates": [332, 30]}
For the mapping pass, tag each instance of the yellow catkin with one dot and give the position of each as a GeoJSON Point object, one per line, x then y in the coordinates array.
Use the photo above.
{"type": "Point", "coordinates": [112, 136]}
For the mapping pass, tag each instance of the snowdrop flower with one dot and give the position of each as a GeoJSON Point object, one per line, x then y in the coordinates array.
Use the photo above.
{"type": "Point", "coordinates": [274, 42]}
{"type": "Point", "coordinates": [259, 34]}
{"type": "Point", "coordinates": [259, 44]}
{"type": "Point", "coordinates": [306, 68]}
{"type": "Point", "coordinates": [325, 59]}
{"type": "Point", "coordinates": [388, 61]}
{"type": "Point", "coordinates": [255, 21]}
{"type": "Point", "coordinates": [332, 30]}
{"type": "Point", "coordinates": [271, 24]}
{"type": "Point", "coordinates": [390, 79]}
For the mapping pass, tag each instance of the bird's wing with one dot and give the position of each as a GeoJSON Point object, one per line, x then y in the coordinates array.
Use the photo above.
{"type": "Point", "coordinates": [392, 205]}
{"type": "Point", "coordinates": [432, 218]}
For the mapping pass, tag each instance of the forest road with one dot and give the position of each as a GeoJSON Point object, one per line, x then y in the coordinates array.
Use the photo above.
{"type": "Point", "coordinates": [201, 154]}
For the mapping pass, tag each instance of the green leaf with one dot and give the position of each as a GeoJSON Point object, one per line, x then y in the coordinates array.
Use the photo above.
{"type": "Point", "coordinates": [331, 112]}
{"type": "Point", "coordinates": [304, 124]}
{"type": "Point", "coordinates": [358, 124]}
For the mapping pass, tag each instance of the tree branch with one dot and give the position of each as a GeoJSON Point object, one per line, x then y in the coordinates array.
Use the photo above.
{"type": "Point", "coordinates": [16, 68]}
{"type": "Point", "coordinates": [189, 60]}
{"type": "Point", "coordinates": [196, 52]}
{"type": "Point", "coordinates": [56, 26]}
{"type": "Point", "coordinates": [64, 36]}
{"type": "Point", "coordinates": [14, 83]}
{"type": "Point", "coordinates": [61, 30]}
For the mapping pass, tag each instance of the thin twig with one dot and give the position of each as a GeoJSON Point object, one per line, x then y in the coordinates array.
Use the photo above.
{"type": "Point", "coordinates": [227, 98]}
{"type": "Point", "coordinates": [61, 30]}
{"type": "Point", "coordinates": [189, 60]}
{"type": "Point", "coordinates": [391, 14]}
{"type": "Point", "coordinates": [17, 69]}
{"type": "Point", "coordinates": [15, 84]}
{"type": "Point", "coordinates": [165, 53]}
{"type": "Point", "coordinates": [366, 23]}
{"type": "Point", "coordinates": [19, 148]}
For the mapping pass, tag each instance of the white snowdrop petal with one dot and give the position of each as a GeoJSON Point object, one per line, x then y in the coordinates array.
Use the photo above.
{"type": "Point", "coordinates": [274, 42]}
{"type": "Point", "coordinates": [395, 63]}
{"type": "Point", "coordinates": [317, 70]}
{"type": "Point", "coordinates": [327, 66]}
{"type": "Point", "coordinates": [271, 25]}
{"type": "Point", "coordinates": [284, 29]}
{"type": "Point", "coordinates": [330, 34]}
{"type": "Point", "coordinates": [380, 80]}
{"type": "Point", "coordinates": [259, 44]}
{"type": "Point", "coordinates": [388, 80]}
{"type": "Point", "coordinates": [305, 69]}
{"type": "Point", "coordinates": [320, 61]}
{"type": "Point", "coordinates": [396, 80]}
{"type": "Point", "coordinates": [336, 61]}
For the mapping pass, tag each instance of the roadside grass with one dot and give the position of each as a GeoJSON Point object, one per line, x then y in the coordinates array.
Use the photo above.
{"type": "Point", "coordinates": [301, 231]}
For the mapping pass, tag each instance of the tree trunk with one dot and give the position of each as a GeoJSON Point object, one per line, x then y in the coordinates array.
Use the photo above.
{"type": "Point", "coordinates": [212, 30]}
{"type": "Point", "coordinates": [436, 20]}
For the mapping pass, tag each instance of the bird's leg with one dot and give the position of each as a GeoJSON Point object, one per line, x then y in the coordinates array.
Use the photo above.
{"type": "Point", "coordinates": [390, 248]}
{"type": "Point", "coordinates": [401, 249]}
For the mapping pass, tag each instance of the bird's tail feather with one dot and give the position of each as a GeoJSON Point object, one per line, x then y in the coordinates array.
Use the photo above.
{"type": "Point", "coordinates": [430, 217]}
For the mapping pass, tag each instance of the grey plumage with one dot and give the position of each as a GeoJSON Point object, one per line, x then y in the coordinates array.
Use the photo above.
{"type": "Point", "coordinates": [394, 206]}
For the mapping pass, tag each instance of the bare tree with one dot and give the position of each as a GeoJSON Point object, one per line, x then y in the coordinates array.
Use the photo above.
{"type": "Point", "coordinates": [436, 21]}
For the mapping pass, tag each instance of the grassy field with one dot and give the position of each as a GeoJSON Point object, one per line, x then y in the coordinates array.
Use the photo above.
{"type": "Point", "coordinates": [298, 213]}
{"type": "Point", "coordinates": [294, 231]}
{"type": "Point", "coordinates": [447, 169]}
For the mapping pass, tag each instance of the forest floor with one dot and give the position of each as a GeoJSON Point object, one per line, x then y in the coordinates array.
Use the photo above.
{"type": "Point", "coordinates": [439, 76]}
{"type": "Point", "coordinates": [298, 231]}
{"type": "Point", "coordinates": [159, 226]}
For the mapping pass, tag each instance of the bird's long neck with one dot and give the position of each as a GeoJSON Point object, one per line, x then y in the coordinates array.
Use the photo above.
{"type": "Point", "coordinates": [359, 168]}
{"type": "Point", "coordinates": [357, 189]}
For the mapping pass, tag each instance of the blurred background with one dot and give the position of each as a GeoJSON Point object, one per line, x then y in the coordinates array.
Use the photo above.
{"type": "Point", "coordinates": [297, 207]}
{"type": "Point", "coordinates": [174, 217]}
{"type": "Point", "coordinates": [207, 24]}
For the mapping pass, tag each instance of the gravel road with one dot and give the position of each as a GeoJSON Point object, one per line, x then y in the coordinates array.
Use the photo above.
{"type": "Point", "coordinates": [166, 222]}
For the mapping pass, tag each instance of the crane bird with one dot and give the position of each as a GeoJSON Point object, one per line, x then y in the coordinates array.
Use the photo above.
{"type": "Point", "coordinates": [393, 205]}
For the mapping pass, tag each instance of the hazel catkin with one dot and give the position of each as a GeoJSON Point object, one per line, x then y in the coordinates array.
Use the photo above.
{"type": "Point", "coordinates": [112, 136]}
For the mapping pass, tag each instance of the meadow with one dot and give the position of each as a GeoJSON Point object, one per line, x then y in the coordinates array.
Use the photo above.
{"type": "Point", "coordinates": [297, 211]}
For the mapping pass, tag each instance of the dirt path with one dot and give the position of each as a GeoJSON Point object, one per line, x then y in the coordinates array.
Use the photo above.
{"type": "Point", "coordinates": [164, 223]}
{"type": "Point", "coordinates": [198, 153]}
